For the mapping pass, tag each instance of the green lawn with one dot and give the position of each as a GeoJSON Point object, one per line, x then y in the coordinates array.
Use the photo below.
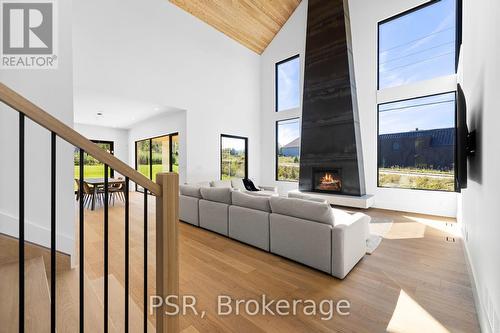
{"type": "Point", "coordinates": [90, 171]}
{"type": "Point", "coordinates": [97, 171]}
{"type": "Point", "coordinates": [423, 179]}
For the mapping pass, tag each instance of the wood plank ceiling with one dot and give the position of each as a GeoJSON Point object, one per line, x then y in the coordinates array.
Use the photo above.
{"type": "Point", "coordinates": [252, 23]}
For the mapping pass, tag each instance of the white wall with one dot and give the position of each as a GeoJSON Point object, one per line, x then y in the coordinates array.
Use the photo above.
{"type": "Point", "coordinates": [159, 53]}
{"type": "Point", "coordinates": [479, 74]}
{"type": "Point", "coordinates": [168, 123]}
{"type": "Point", "coordinates": [51, 90]}
{"type": "Point", "coordinates": [117, 135]}
{"type": "Point", "coordinates": [290, 41]}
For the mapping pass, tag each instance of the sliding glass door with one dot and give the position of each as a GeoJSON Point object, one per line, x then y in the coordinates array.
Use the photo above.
{"type": "Point", "coordinates": [156, 155]}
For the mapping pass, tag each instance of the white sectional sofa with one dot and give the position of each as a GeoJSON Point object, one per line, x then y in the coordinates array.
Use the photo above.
{"type": "Point", "coordinates": [309, 232]}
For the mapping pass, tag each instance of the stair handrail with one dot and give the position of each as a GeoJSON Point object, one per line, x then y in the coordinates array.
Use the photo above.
{"type": "Point", "coordinates": [46, 120]}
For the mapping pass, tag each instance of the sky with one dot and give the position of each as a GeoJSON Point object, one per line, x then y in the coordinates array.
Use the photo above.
{"type": "Point", "coordinates": [418, 46]}
{"type": "Point", "coordinates": [233, 143]}
{"type": "Point", "coordinates": [289, 85]}
{"type": "Point", "coordinates": [423, 113]}
{"type": "Point", "coordinates": [288, 130]}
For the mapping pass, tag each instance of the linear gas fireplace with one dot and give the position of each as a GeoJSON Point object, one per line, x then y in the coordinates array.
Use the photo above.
{"type": "Point", "coordinates": [327, 180]}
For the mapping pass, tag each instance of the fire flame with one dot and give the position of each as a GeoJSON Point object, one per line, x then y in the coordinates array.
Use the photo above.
{"type": "Point", "coordinates": [327, 178]}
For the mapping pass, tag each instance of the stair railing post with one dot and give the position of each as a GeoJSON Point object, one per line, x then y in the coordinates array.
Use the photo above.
{"type": "Point", "coordinates": [167, 250]}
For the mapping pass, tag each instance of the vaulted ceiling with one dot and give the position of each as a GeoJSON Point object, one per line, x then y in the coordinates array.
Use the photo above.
{"type": "Point", "coordinates": [253, 23]}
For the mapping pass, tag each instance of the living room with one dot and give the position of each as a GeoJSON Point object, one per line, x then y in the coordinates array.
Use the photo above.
{"type": "Point", "coordinates": [335, 150]}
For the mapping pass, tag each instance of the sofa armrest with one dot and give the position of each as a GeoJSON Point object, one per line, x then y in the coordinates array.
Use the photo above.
{"type": "Point", "coordinates": [269, 188]}
{"type": "Point", "coordinates": [349, 244]}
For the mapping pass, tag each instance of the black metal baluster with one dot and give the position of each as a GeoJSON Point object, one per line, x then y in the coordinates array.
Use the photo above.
{"type": "Point", "coordinates": [145, 261]}
{"type": "Point", "coordinates": [106, 247]}
{"type": "Point", "coordinates": [126, 252]}
{"type": "Point", "coordinates": [53, 234]}
{"type": "Point", "coordinates": [21, 223]}
{"type": "Point", "coordinates": [82, 247]}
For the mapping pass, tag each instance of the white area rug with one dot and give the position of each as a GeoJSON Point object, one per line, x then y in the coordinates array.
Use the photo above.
{"type": "Point", "coordinates": [379, 227]}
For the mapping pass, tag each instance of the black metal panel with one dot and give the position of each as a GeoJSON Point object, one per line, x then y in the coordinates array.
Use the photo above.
{"type": "Point", "coordinates": [330, 128]}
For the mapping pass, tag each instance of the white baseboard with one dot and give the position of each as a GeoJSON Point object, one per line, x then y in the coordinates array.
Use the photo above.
{"type": "Point", "coordinates": [482, 316]}
{"type": "Point", "coordinates": [34, 233]}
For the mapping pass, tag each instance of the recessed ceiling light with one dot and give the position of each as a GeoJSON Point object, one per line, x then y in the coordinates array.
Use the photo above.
{"type": "Point", "coordinates": [157, 108]}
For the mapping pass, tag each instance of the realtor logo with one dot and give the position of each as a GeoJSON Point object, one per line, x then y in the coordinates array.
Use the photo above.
{"type": "Point", "coordinates": [28, 34]}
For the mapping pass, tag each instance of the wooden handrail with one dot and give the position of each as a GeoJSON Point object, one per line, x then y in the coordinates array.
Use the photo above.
{"type": "Point", "coordinates": [44, 119]}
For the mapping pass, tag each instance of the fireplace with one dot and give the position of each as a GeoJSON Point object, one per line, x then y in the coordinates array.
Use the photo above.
{"type": "Point", "coordinates": [327, 180]}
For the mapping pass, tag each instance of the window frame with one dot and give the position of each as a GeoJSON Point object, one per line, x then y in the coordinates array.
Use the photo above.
{"type": "Point", "coordinates": [170, 166]}
{"type": "Point", "coordinates": [454, 151]}
{"type": "Point", "coordinates": [276, 65]}
{"type": "Point", "coordinates": [230, 136]}
{"type": "Point", "coordinates": [458, 33]}
{"type": "Point", "coordinates": [276, 143]}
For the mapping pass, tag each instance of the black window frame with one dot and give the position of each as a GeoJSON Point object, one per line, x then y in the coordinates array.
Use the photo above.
{"type": "Point", "coordinates": [276, 143]}
{"type": "Point", "coordinates": [276, 65]}
{"type": "Point", "coordinates": [170, 166]}
{"type": "Point", "coordinates": [230, 136]}
{"type": "Point", "coordinates": [455, 166]}
{"type": "Point", "coordinates": [458, 32]}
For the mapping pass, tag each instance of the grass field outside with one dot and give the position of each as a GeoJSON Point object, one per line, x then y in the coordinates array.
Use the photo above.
{"type": "Point", "coordinates": [288, 168]}
{"type": "Point", "coordinates": [412, 178]}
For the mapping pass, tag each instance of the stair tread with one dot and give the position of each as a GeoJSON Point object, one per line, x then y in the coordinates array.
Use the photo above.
{"type": "Point", "coordinates": [37, 297]}
{"type": "Point", "coordinates": [117, 305]}
{"type": "Point", "coordinates": [68, 304]}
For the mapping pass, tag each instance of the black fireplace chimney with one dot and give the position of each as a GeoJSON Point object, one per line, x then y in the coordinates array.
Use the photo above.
{"type": "Point", "coordinates": [330, 138]}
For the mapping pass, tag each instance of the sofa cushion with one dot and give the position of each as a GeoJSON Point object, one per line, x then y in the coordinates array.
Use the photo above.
{"type": "Point", "coordinates": [221, 183]}
{"type": "Point", "coordinates": [190, 191]}
{"type": "Point", "coordinates": [305, 197]}
{"type": "Point", "coordinates": [222, 195]}
{"type": "Point", "coordinates": [341, 217]}
{"type": "Point", "coordinates": [237, 183]}
{"type": "Point", "coordinates": [303, 209]}
{"type": "Point", "coordinates": [251, 201]}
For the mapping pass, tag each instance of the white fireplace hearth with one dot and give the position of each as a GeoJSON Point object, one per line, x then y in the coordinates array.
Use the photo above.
{"type": "Point", "coordinates": [363, 202]}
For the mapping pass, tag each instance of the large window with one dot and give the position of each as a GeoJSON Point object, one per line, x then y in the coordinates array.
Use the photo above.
{"type": "Point", "coordinates": [234, 157]}
{"type": "Point", "coordinates": [93, 168]}
{"type": "Point", "coordinates": [416, 143]}
{"type": "Point", "coordinates": [418, 45]}
{"type": "Point", "coordinates": [288, 149]}
{"type": "Point", "coordinates": [288, 84]}
{"type": "Point", "coordinates": [159, 154]}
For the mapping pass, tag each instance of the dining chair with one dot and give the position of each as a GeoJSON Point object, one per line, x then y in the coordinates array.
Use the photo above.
{"type": "Point", "coordinates": [117, 190]}
{"type": "Point", "coordinates": [88, 193]}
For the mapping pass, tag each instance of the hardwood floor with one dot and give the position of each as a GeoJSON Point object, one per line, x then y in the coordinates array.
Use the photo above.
{"type": "Point", "coordinates": [414, 282]}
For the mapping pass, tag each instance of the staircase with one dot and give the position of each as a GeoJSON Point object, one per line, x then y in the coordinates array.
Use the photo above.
{"type": "Point", "coordinates": [39, 294]}
{"type": "Point", "coordinates": [37, 297]}
{"type": "Point", "coordinates": [38, 301]}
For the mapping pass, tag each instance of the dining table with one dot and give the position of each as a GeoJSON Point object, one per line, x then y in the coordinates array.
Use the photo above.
{"type": "Point", "coordinates": [95, 183]}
